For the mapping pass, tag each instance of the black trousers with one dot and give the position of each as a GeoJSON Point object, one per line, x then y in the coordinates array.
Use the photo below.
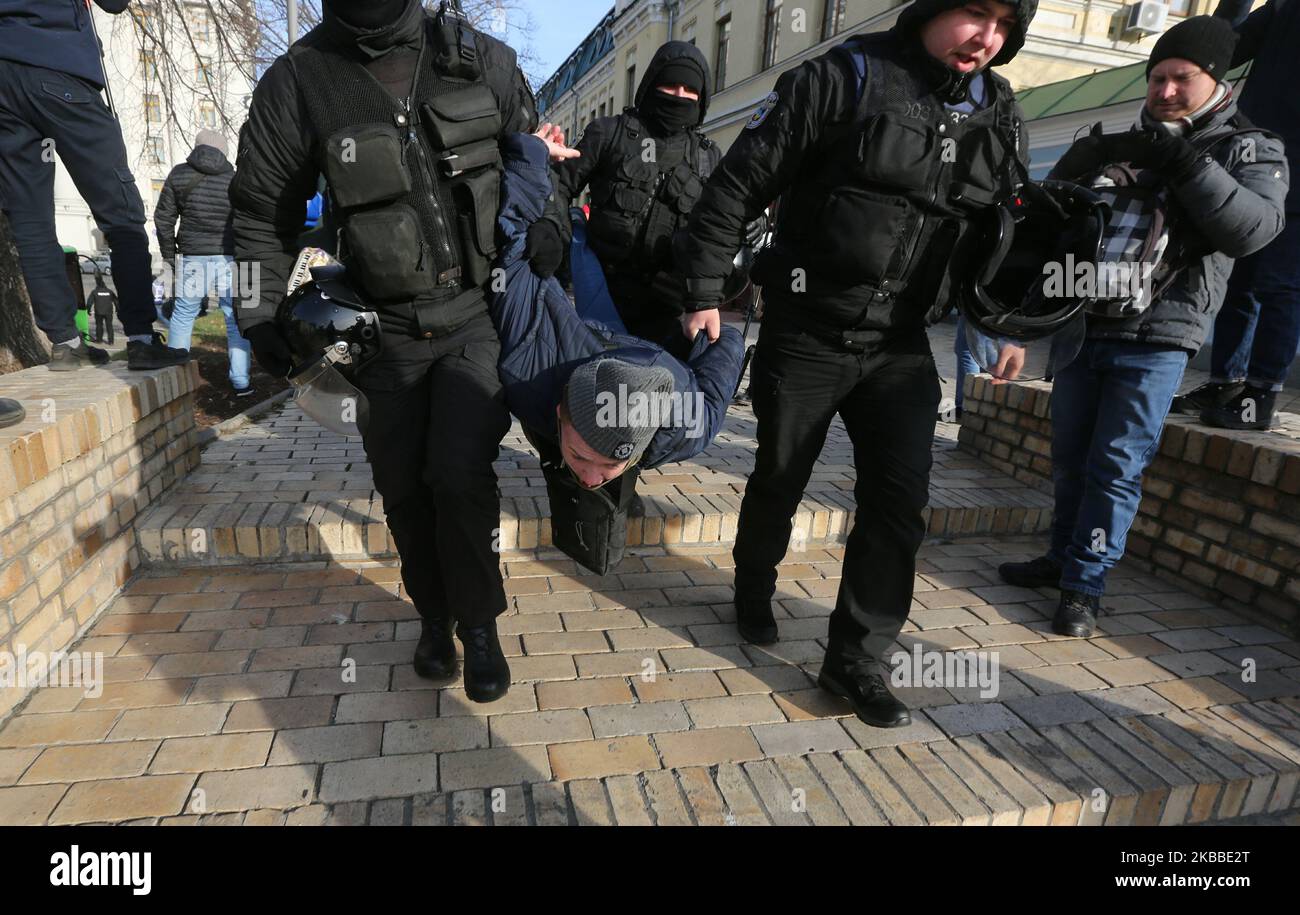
{"type": "Point", "coordinates": [103, 328]}
{"type": "Point", "coordinates": [888, 399]}
{"type": "Point", "coordinates": [45, 112]}
{"type": "Point", "coordinates": [436, 416]}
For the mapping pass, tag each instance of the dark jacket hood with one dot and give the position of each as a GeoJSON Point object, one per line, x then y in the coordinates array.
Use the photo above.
{"type": "Point", "coordinates": [673, 51]}
{"type": "Point", "coordinates": [920, 12]}
{"type": "Point", "coordinates": [208, 160]}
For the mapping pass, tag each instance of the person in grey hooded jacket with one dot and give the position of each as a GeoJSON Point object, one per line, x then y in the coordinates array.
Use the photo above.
{"type": "Point", "coordinates": [1226, 182]}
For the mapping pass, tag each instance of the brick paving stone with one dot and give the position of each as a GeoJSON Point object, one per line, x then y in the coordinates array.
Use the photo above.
{"type": "Point", "coordinates": [550, 804]}
{"type": "Point", "coordinates": [848, 794]}
{"type": "Point", "coordinates": [591, 805]}
{"type": "Point", "coordinates": [236, 687]}
{"type": "Point", "coordinates": [877, 786]}
{"type": "Point", "coordinates": [1067, 808]}
{"type": "Point", "coordinates": [1035, 806]}
{"type": "Point", "coordinates": [113, 800]}
{"type": "Point", "coordinates": [436, 735]}
{"type": "Point", "coordinates": [277, 714]}
{"type": "Point", "coordinates": [57, 728]}
{"type": "Point", "coordinates": [1002, 808]}
{"type": "Point", "coordinates": [642, 718]}
{"type": "Point", "coordinates": [550, 726]}
{"type": "Point", "coordinates": [796, 738]}
{"type": "Point", "coordinates": [628, 801]}
{"type": "Point", "coordinates": [325, 744]}
{"type": "Point", "coordinates": [1054, 709]}
{"type": "Point", "coordinates": [960, 720]}
{"type": "Point", "coordinates": [242, 789]}
{"type": "Point", "coordinates": [769, 679]}
{"type": "Point", "coordinates": [743, 808]}
{"type": "Point", "coordinates": [379, 777]}
{"type": "Point", "coordinates": [1191, 664]}
{"type": "Point", "coordinates": [1060, 678]}
{"type": "Point", "coordinates": [667, 805]}
{"type": "Point", "coordinates": [357, 707]}
{"type": "Point", "coordinates": [1206, 790]}
{"type": "Point", "coordinates": [602, 757]}
{"type": "Point", "coordinates": [709, 747]}
{"type": "Point", "coordinates": [814, 798]}
{"type": "Point", "coordinates": [1120, 701]}
{"type": "Point", "coordinates": [170, 721]}
{"type": "Point", "coordinates": [521, 698]}
{"type": "Point", "coordinates": [935, 809]}
{"type": "Point", "coordinates": [1151, 790]}
{"type": "Point", "coordinates": [970, 811]}
{"type": "Point", "coordinates": [784, 805]}
{"type": "Point", "coordinates": [583, 693]}
{"type": "Point", "coordinates": [731, 711]}
{"type": "Point", "coordinates": [204, 754]}
{"type": "Point", "coordinates": [619, 664]}
{"type": "Point", "coordinates": [88, 762]}
{"type": "Point", "coordinates": [663, 687]}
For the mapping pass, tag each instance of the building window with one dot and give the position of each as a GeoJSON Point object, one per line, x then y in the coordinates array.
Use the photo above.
{"type": "Point", "coordinates": [146, 17]}
{"type": "Point", "coordinates": [630, 95]}
{"type": "Point", "coordinates": [153, 147]}
{"type": "Point", "coordinates": [832, 18]}
{"type": "Point", "coordinates": [152, 110]}
{"type": "Point", "coordinates": [157, 186]}
{"type": "Point", "coordinates": [721, 52]}
{"type": "Point", "coordinates": [149, 64]}
{"type": "Point", "coordinates": [1180, 7]}
{"type": "Point", "coordinates": [771, 34]}
{"type": "Point", "coordinates": [688, 33]}
{"type": "Point", "coordinates": [208, 115]}
{"type": "Point", "coordinates": [200, 23]}
{"type": "Point", "coordinates": [202, 72]}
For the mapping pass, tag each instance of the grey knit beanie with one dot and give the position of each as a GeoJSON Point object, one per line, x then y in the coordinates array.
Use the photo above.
{"type": "Point", "coordinates": [616, 406]}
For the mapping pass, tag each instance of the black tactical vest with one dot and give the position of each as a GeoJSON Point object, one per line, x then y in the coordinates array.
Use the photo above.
{"type": "Point", "coordinates": [638, 205]}
{"type": "Point", "coordinates": [873, 216]}
{"type": "Point", "coordinates": [415, 186]}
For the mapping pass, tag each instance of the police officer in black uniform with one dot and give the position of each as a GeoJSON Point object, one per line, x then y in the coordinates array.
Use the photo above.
{"type": "Point", "coordinates": [646, 168]}
{"type": "Point", "coordinates": [879, 151]}
{"type": "Point", "coordinates": [402, 114]}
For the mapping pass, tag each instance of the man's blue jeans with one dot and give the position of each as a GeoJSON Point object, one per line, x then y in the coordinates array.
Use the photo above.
{"type": "Point", "coordinates": [198, 275]}
{"type": "Point", "coordinates": [1108, 412]}
{"type": "Point", "coordinates": [1258, 329]}
{"type": "Point", "coordinates": [966, 363]}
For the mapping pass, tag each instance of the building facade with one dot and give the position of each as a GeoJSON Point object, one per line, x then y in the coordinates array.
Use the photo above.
{"type": "Point", "coordinates": [171, 69]}
{"type": "Point", "coordinates": [750, 43]}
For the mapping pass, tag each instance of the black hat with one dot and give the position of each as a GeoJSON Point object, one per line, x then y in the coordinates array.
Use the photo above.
{"type": "Point", "coordinates": [922, 11]}
{"type": "Point", "coordinates": [1206, 41]}
{"type": "Point", "coordinates": [681, 72]}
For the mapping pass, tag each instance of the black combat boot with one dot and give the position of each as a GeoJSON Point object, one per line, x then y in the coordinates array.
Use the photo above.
{"type": "Point", "coordinates": [1076, 615]}
{"type": "Point", "coordinates": [487, 675]}
{"type": "Point", "coordinates": [755, 622]}
{"type": "Point", "coordinates": [866, 691]}
{"type": "Point", "coordinates": [435, 655]}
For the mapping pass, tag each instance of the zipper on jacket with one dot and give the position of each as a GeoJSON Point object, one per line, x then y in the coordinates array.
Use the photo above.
{"type": "Point", "coordinates": [413, 138]}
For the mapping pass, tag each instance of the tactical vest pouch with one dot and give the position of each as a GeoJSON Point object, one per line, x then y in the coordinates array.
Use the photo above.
{"type": "Point", "coordinates": [897, 151]}
{"type": "Point", "coordinates": [388, 251]}
{"type": "Point", "coordinates": [364, 166]}
{"type": "Point", "coordinates": [977, 178]}
{"type": "Point", "coordinates": [859, 235]}
{"type": "Point", "coordinates": [482, 195]}
{"type": "Point", "coordinates": [460, 118]}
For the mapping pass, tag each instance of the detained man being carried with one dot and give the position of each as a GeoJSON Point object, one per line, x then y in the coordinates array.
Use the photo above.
{"type": "Point", "coordinates": [597, 403]}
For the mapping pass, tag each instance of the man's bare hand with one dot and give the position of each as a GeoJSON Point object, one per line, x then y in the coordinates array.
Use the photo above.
{"type": "Point", "coordinates": [709, 321]}
{"type": "Point", "coordinates": [1011, 359]}
{"type": "Point", "coordinates": [553, 137]}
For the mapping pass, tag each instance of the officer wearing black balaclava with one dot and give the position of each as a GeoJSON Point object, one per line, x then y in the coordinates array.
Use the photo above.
{"type": "Point", "coordinates": [879, 150]}
{"type": "Point", "coordinates": [402, 113]}
{"type": "Point", "coordinates": [646, 168]}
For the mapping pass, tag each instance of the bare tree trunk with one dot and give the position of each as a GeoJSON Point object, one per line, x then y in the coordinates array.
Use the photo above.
{"type": "Point", "coordinates": [21, 344]}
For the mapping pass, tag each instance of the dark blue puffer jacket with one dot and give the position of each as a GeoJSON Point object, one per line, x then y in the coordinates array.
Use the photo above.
{"type": "Point", "coordinates": [543, 338]}
{"type": "Point", "coordinates": [54, 34]}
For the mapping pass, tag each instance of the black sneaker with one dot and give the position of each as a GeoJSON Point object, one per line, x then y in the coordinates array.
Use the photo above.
{"type": "Point", "coordinates": [755, 621]}
{"type": "Point", "coordinates": [1252, 409]}
{"type": "Point", "coordinates": [66, 358]}
{"type": "Point", "coordinates": [144, 357]}
{"type": "Point", "coordinates": [11, 412]}
{"type": "Point", "coordinates": [871, 699]}
{"type": "Point", "coordinates": [1211, 394]}
{"type": "Point", "coordinates": [487, 675]}
{"type": "Point", "coordinates": [1076, 615]}
{"type": "Point", "coordinates": [1037, 573]}
{"type": "Point", "coordinates": [435, 655]}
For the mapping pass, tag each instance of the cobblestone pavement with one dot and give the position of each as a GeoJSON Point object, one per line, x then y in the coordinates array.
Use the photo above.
{"type": "Point", "coordinates": [284, 693]}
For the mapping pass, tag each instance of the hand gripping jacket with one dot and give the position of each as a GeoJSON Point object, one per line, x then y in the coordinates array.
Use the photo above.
{"type": "Point", "coordinates": [881, 209]}
{"type": "Point", "coordinates": [417, 181]}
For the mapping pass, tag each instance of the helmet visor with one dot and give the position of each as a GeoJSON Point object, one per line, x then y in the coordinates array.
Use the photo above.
{"type": "Point", "coordinates": [329, 398]}
{"type": "Point", "coordinates": [1043, 358]}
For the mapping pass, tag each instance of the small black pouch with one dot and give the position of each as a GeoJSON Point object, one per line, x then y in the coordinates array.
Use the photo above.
{"type": "Point", "coordinates": [364, 165]}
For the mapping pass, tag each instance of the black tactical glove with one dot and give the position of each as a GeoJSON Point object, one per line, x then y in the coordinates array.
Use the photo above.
{"type": "Point", "coordinates": [755, 231]}
{"type": "Point", "coordinates": [270, 349]}
{"type": "Point", "coordinates": [545, 249]}
{"type": "Point", "coordinates": [1157, 150]}
{"type": "Point", "coordinates": [1084, 157]}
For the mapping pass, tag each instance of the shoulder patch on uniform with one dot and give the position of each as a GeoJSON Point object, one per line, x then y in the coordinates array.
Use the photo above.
{"type": "Point", "coordinates": [765, 108]}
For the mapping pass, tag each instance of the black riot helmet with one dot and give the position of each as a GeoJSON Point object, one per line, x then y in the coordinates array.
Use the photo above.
{"type": "Point", "coordinates": [332, 334]}
{"type": "Point", "coordinates": [1004, 264]}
